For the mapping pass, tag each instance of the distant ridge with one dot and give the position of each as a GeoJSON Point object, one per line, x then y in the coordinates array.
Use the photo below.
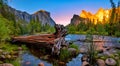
{"type": "Point", "coordinates": [41, 16]}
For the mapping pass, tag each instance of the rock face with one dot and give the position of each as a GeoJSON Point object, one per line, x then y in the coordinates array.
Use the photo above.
{"type": "Point", "coordinates": [101, 15]}
{"type": "Point", "coordinates": [40, 16]}
{"type": "Point", "coordinates": [77, 19]}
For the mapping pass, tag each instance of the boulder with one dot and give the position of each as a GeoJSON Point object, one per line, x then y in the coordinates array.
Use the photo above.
{"type": "Point", "coordinates": [110, 61]}
{"type": "Point", "coordinates": [41, 64]}
{"type": "Point", "coordinates": [84, 58]}
{"type": "Point", "coordinates": [85, 63]}
{"type": "Point", "coordinates": [72, 50]}
{"type": "Point", "coordinates": [101, 62]}
{"type": "Point", "coordinates": [83, 50]}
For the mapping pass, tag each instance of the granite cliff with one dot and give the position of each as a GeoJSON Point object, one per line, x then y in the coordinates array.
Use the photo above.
{"type": "Point", "coordinates": [102, 15]}
{"type": "Point", "coordinates": [41, 16]}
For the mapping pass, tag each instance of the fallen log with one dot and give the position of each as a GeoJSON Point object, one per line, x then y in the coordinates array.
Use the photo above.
{"type": "Point", "coordinates": [53, 41]}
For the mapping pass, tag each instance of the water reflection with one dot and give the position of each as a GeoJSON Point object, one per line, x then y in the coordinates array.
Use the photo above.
{"type": "Point", "coordinates": [31, 60]}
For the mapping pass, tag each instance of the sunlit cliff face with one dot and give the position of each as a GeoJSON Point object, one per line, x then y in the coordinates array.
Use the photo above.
{"type": "Point", "coordinates": [101, 15]}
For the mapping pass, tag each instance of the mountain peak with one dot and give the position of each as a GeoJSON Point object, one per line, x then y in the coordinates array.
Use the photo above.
{"type": "Point", "coordinates": [85, 14]}
{"type": "Point", "coordinates": [41, 11]}
{"type": "Point", "coordinates": [100, 9]}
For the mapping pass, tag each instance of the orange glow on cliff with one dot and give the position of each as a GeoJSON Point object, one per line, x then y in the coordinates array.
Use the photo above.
{"type": "Point", "coordinates": [100, 16]}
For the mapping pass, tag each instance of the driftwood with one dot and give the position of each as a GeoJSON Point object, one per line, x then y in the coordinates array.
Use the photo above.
{"type": "Point", "coordinates": [53, 41]}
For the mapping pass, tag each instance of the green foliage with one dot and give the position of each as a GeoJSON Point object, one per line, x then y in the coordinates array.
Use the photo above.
{"type": "Point", "coordinates": [14, 62]}
{"type": "Point", "coordinates": [47, 28]}
{"type": "Point", "coordinates": [71, 28]}
{"type": "Point", "coordinates": [2, 3]}
{"type": "Point", "coordinates": [8, 47]}
{"type": "Point", "coordinates": [34, 27]}
{"type": "Point", "coordinates": [5, 29]}
{"type": "Point", "coordinates": [64, 54]}
{"type": "Point", "coordinates": [73, 46]}
{"type": "Point", "coordinates": [117, 33]}
{"type": "Point", "coordinates": [24, 47]}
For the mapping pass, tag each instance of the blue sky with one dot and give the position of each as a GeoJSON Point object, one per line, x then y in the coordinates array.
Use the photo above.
{"type": "Point", "coordinates": [61, 10]}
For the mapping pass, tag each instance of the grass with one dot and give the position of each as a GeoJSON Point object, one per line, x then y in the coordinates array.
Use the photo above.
{"type": "Point", "coordinates": [64, 54]}
{"type": "Point", "coordinates": [14, 62]}
{"type": "Point", "coordinates": [74, 46]}
{"type": "Point", "coordinates": [24, 47]}
{"type": "Point", "coordinates": [91, 50]}
{"type": "Point", "coordinates": [8, 47]}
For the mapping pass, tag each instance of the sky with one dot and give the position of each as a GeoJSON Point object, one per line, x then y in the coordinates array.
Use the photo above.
{"type": "Point", "coordinates": [61, 11]}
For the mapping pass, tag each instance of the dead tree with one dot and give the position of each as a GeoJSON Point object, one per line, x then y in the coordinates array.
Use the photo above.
{"type": "Point", "coordinates": [53, 41]}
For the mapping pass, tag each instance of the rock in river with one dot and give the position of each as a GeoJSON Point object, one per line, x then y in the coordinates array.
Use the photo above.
{"type": "Point", "coordinates": [110, 61]}
{"type": "Point", "coordinates": [85, 63]}
{"type": "Point", "coordinates": [101, 62]}
{"type": "Point", "coordinates": [72, 50]}
{"type": "Point", "coordinates": [83, 50]}
{"type": "Point", "coordinates": [84, 58]}
{"type": "Point", "coordinates": [41, 64]}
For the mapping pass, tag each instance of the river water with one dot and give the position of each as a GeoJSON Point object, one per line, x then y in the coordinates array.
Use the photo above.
{"type": "Point", "coordinates": [28, 59]}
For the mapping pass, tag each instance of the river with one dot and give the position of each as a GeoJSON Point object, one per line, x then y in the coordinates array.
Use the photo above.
{"type": "Point", "coordinates": [29, 59]}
